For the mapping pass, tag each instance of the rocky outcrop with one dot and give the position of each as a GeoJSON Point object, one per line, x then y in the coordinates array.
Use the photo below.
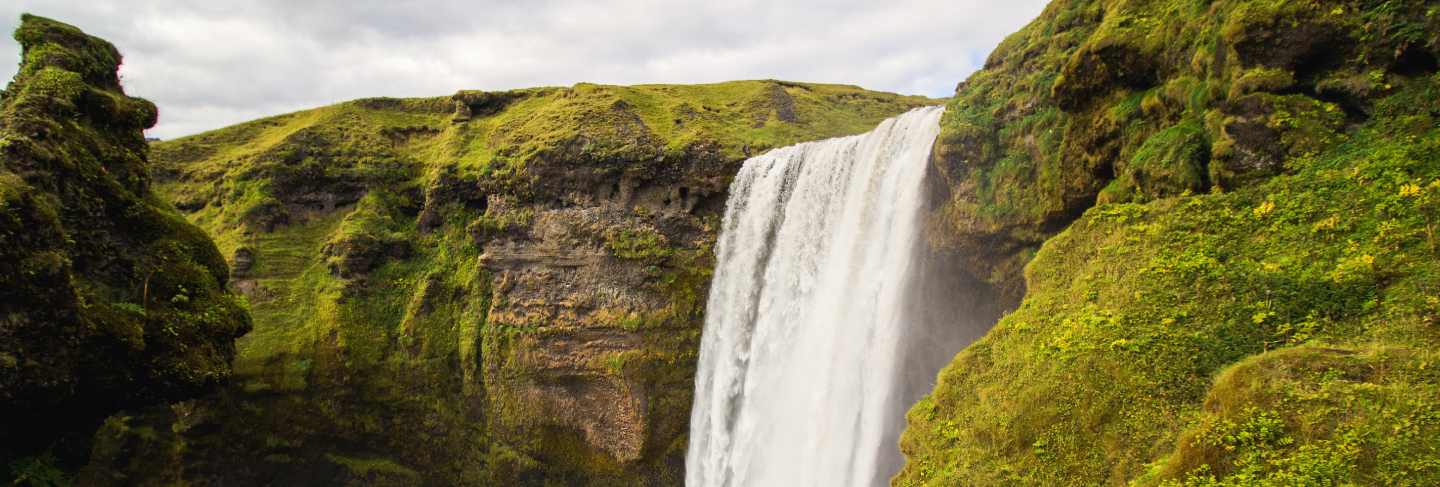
{"type": "Point", "coordinates": [109, 298]}
{"type": "Point", "coordinates": [596, 286]}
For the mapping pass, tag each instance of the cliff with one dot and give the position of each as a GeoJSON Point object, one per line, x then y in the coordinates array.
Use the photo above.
{"type": "Point", "coordinates": [1221, 218]}
{"type": "Point", "coordinates": [492, 288]}
{"type": "Point", "coordinates": [1214, 221]}
{"type": "Point", "coordinates": [108, 298]}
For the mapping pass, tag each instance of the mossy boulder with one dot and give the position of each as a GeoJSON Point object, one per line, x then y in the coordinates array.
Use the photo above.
{"type": "Point", "coordinates": [110, 298]}
{"type": "Point", "coordinates": [1313, 415]}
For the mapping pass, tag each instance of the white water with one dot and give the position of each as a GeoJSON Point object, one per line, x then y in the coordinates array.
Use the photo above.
{"type": "Point", "coordinates": [804, 373]}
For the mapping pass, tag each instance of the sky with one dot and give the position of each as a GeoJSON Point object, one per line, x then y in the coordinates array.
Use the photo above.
{"type": "Point", "coordinates": [212, 64]}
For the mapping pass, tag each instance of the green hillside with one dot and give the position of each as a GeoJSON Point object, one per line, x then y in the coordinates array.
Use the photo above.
{"type": "Point", "coordinates": [1226, 214]}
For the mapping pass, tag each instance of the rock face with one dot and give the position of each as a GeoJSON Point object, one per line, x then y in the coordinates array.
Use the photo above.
{"type": "Point", "coordinates": [495, 288]}
{"type": "Point", "coordinates": [109, 298]}
{"type": "Point", "coordinates": [1219, 216]}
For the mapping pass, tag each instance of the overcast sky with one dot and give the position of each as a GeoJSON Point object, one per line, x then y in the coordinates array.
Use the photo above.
{"type": "Point", "coordinates": [208, 65]}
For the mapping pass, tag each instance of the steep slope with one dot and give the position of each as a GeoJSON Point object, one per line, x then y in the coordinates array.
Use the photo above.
{"type": "Point", "coordinates": [109, 298]}
{"type": "Point", "coordinates": [1243, 292]}
{"type": "Point", "coordinates": [495, 288]}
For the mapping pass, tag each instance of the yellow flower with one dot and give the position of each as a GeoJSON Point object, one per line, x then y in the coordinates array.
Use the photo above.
{"type": "Point", "coordinates": [1326, 224]}
{"type": "Point", "coordinates": [1264, 208]}
{"type": "Point", "coordinates": [1409, 190]}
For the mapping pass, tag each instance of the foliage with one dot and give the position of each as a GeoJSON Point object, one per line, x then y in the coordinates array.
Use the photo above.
{"type": "Point", "coordinates": [638, 244]}
{"type": "Point", "coordinates": [1133, 101]}
{"type": "Point", "coordinates": [38, 471]}
{"type": "Point", "coordinates": [1314, 415]}
{"type": "Point", "coordinates": [1277, 333]}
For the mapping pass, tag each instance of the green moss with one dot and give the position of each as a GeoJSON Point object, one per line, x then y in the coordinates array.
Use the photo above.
{"type": "Point", "coordinates": [111, 299]}
{"type": "Point", "coordinates": [1262, 151]}
{"type": "Point", "coordinates": [1172, 162]}
{"type": "Point", "coordinates": [639, 244]}
{"type": "Point", "coordinates": [1063, 109]}
{"type": "Point", "coordinates": [1313, 415]}
{"type": "Point", "coordinates": [1268, 80]}
{"type": "Point", "coordinates": [1146, 327]}
{"type": "Point", "coordinates": [501, 222]}
{"type": "Point", "coordinates": [371, 468]}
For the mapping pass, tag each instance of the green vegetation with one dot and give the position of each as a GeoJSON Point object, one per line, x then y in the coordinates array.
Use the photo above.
{"type": "Point", "coordinates": [1132, 101]}
{"type": "Point", "coordinates": [1217, 222]}
{"type": "Point", "coordinates": [359, 233]}
{"type": "Point", "coordinates": [109, 298]}
{"type": "Point", "coordinates": [638, 244]}
{"type": "Point", "coordinates": [1314, 416]}
{"type": "Point", "coordinates": [370, 469]}
{"type": "Point", "coordinates": [1251, 298]}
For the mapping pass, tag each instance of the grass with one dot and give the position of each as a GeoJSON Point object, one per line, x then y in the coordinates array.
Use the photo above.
{"type": "Point", "coordinates": [1276, 334]}
{"type": "Point", "coordinates": [290, 286]}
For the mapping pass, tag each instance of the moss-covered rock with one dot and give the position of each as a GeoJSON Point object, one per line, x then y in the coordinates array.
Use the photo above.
{"type": "Point", "coordinates": [1136, 100]}
{"type": "Point", "coordinates": [109, 298]}
{"type": "Point", "coordinates": [1250, 300]}
{"type": "Point", "coordinates": [494, 288]}
{"type": "Point", "coordinates": [1313, 415]}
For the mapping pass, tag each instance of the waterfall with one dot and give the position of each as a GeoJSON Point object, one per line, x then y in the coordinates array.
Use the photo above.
{"type": "Point", "coordinates": [812, 348]}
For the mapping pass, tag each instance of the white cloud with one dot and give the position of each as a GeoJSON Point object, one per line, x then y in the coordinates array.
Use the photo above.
{"type": "Point", "coordinates": [208, 64]}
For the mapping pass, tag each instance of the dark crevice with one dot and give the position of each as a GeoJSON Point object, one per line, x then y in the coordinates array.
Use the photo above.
{"type": "Point", "coordinates": [1415, 61]}
{"type": "Point", "coordinates": [1072, 212]}
{"type": "Point", "coordinates": [1355, 108]}
{"type": "Point", "coordinates": [1320, 58]}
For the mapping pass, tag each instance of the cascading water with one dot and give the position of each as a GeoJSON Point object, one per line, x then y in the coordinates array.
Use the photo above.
{"type": "Point", "coordinates": [809, 355]}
